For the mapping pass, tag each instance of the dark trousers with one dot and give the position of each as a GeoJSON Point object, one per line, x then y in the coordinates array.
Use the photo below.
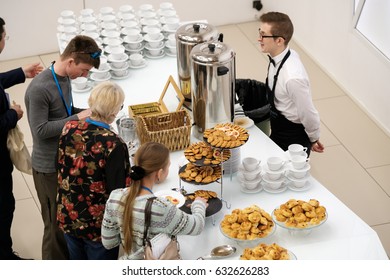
{"type": "Point", "coordinates": [285, 133]}
{"type": "Point", "coordinates": [7, 207]}
{"type": "Point", "coordinates": [84, 249]}
{"type": "Point", "coordinates": [53, 242]}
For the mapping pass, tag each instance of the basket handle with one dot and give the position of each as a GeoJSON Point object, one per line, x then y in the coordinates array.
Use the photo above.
{"type": "Point", "coordinates": [164, 119]}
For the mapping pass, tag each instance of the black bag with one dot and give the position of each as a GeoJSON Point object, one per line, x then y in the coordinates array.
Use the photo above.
{"type": "Point", "coordinates": [252, 96]}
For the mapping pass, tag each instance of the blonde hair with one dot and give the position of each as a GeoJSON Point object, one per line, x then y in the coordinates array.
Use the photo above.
{"type": "Point", "coordinates": [105, 100]}
{"type": "Point", "coordinates": [151, 157]}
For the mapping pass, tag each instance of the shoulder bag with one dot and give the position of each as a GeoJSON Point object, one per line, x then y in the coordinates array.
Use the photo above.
{"type": "Point", "coordinates": [18, 151]}
{"type": "Point", "coordinates": [171, 251]}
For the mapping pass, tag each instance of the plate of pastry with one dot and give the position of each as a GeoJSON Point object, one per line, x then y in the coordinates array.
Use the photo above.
{"type": "Point", "coordinates": [175, 198]}
{"type": "Point", "coordinates": [214, 203]}
{"type": "Point", "coordinates": [201, 153]}
{"type": "Point", "coordinates": [200, 175]}
{"type": "Point", "coordinates": [226, 136]}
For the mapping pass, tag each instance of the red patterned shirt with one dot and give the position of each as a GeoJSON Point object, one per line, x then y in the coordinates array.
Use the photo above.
{"type": "Point", "coordinates": [92, 161]}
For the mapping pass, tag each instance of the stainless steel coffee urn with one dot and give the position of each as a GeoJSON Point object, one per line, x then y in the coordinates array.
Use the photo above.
{"type": "Point", "coordinates": [188, 36]}
{"type": "Point", "coordinates": [212, 85]}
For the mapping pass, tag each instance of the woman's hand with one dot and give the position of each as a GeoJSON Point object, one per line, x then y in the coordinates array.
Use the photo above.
{"type": "Point", "coordinates": [317, 147]}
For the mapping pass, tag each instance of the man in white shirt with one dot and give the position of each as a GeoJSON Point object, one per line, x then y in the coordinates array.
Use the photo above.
{"type": "Point", "coordinates": [294, 119]}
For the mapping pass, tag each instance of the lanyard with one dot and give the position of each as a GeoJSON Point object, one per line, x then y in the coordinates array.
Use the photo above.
{"type": "Point", "coordinates": [68, 108]}
{"type": "Point", "coordinates": [97, 123]}
{"type": "Point", "coordinates": [147, 189]}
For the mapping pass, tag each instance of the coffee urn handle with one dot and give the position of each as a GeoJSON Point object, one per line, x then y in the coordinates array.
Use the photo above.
{"type": "Point", "coordinates": [220, 37]}
{"type": "Point", "coordinates": [222, 70]}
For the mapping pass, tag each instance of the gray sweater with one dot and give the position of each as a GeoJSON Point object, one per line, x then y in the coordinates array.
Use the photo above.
{"type": "Point", "coordinates": [47, 116]}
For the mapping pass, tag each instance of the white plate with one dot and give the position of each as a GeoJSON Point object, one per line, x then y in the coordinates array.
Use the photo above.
{"type": "Point", "coordinates": [138, 66]}
{"type": "Point", "coordinates": [244, 122]}
{"type": "Point", "coordinates": [280, 190]}
{"type": "Point", "coordinates": [148, 55]}
{"type": "Point", "coordinates": [74, 89]}
{"type": "Point", "coordinates": [120, 77]}
{"type": "Point", "coordinates": [177, 195]}
{"type": "Point", "coordinates": [259, 188]}
{"type": "Point", "coordinates": [93, 77]}
{"type": "Point", "coordinates": [295, 189]}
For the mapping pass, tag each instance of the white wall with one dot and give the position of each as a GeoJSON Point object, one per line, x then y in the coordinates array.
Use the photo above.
{"type": "Point", "coordinates": [322, 27]}
{"type": "Point", "coordinates": [32, 25]}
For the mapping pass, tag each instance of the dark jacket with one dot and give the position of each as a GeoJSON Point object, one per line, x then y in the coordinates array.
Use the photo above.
{"type": "Point", "coordinates": [8, 117]}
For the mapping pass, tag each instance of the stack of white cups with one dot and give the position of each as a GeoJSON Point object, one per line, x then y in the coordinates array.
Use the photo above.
{"type": "Point", "coordinates": [273, 174]}
{"type": "Point", "coordinates": [299, 169]}
{"type": "Point", "coordinates": [249, 174]}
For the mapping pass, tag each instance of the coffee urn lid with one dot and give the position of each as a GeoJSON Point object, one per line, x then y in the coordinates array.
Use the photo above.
{"type": "Point", "coordinates": [196, 33]}
{"type": "Point", "coordinates": [211, 53]}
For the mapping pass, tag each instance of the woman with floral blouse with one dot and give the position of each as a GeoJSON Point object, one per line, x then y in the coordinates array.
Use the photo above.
{"type": "Point", "coordinates": [92, 161]}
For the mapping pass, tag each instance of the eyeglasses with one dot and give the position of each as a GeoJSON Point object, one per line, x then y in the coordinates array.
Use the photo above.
{"type": "Point", "coordinates": [261, 36]}
{"type": "Point", "coordinates": [122, 107]}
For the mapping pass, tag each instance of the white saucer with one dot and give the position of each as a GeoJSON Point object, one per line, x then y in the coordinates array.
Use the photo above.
{"type": "Point", "coordinates": [138, 66]}
{"type": "Point", "coordinates": [295, 189]}
{"type": "Point", "coordinates": [280, 190]}
{"type": "Point", "coordinates": [93, 77]}
{"type": "Point", "coordinates": [87, 89]}
{"type": "Point", "coordinates": [290, 177]}
{"type": "Point", "coordinates": [148, 46]}
{"type": "Point", "coordinates": [244, 122]}
{"type": "Point", "coordinates": [131, 51]}
{"type": "Point", "coordinates": [242, 169]}
{"type": "Point", "coordinates": [120, 77]}
{"type": "Point", "coordinates": [148, 55]}
{"type": "Point", "coordinates": [259, 188]}
{"type": "Point", "coordinates": [305, 168]}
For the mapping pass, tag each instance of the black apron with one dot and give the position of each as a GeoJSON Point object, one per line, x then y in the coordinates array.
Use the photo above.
{"type": "Point", "coordinates": [283, 131]}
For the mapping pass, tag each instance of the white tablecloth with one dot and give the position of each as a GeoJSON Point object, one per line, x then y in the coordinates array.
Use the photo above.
{"type": "Point", "coordinates": [343, 236]}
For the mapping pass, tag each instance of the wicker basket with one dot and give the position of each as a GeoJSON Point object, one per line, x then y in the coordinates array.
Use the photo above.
{"type": "Point", "coordinates": [171, 129]}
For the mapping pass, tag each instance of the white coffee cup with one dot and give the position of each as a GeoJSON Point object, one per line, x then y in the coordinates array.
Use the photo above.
{"type": "Point", "coordinates": [80, 83]}
{"type": "Point", "coordinates": [133, 45]}
{"type": "Point", "coordinates": [120, 72]}
{"type": "Point", "coordinates": [250, 185]}
{"type": "Point", "coordinates": [136, 59]}
{"type": "Point", "coordinates": [154, 33]}
{"type": "Point", "coordinates": [67, 14]}
{"type": "Point", "coordinates": [166, 6]}
{"type": "Point", "coordinates": [117, 52]}
{"type": "Point", "coordinates": [171, 40]}
{"type": "Point", "coordinates": [299, 161]}
{"type": "Point", "coordinates": [274, 184]}
{"type": "Point", "coordinates": [132, 35]}
{"type": "Point", "coordinates": [87, 12]}
{"type": "Point", "coordinates": [146, 7]}
{"type": "Point", "coordinates": [109, 26]}
{"type": "Point", "coordinates": [125, 9]}
{"type": "Point", "coordinates": [275, 163]}
{"type": "Point", "coordinates": [113, 42]}
{"type": "Point", "coordinates": [129, 24]}
{"type": "Point", "coordinates": [274, 175]}
{"type": "Point", "coordinates": [298, 183]}
{"type": "Point", "coordinates": [172, 23]}
{"type": "Point", "coordinates": [296, 149]}
{"type": "Point", "coordinates": [106, 10]}
{"type": "Point", "coordinates": [155, 44]}
{"type": "Point", "coordinates": [250, 163]}
{"type": "Point", "coordinates": [156, 52]}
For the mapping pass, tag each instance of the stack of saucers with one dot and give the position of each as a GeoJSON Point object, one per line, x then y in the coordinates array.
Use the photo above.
{"type": "Point", "coordinates": [231, 165]}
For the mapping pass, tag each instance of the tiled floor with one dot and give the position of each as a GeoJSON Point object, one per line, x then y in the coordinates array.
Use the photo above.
{"type": "Point", "coordinates": [355, 165]}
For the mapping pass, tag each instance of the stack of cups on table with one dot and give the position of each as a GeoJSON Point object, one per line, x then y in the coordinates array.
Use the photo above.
{"type": "Point", "coordinates": [67, 27]}
{"type": "Point", "coordinates": [274, 174]}
{"type": "Point", "coordinates": [299, 168]}
{"type": "Point", "coordinates": [249, 174]}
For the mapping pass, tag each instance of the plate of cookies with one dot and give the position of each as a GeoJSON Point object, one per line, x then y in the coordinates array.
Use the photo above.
{"type": "Point", "coordinates": [201, 153]}
{"type": "Point", "coordinates": [299, 215]}
{"type": "Point", "coordinates": [226, 136]}
{"type": "Point", "coordinates": [214, 203]}
{"type": "Point", "coordinates": [264, 251]}
{"type": "Point", "coordinates": [200, 175]}
{"type": "Point", "coordinates": [247, 226]}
